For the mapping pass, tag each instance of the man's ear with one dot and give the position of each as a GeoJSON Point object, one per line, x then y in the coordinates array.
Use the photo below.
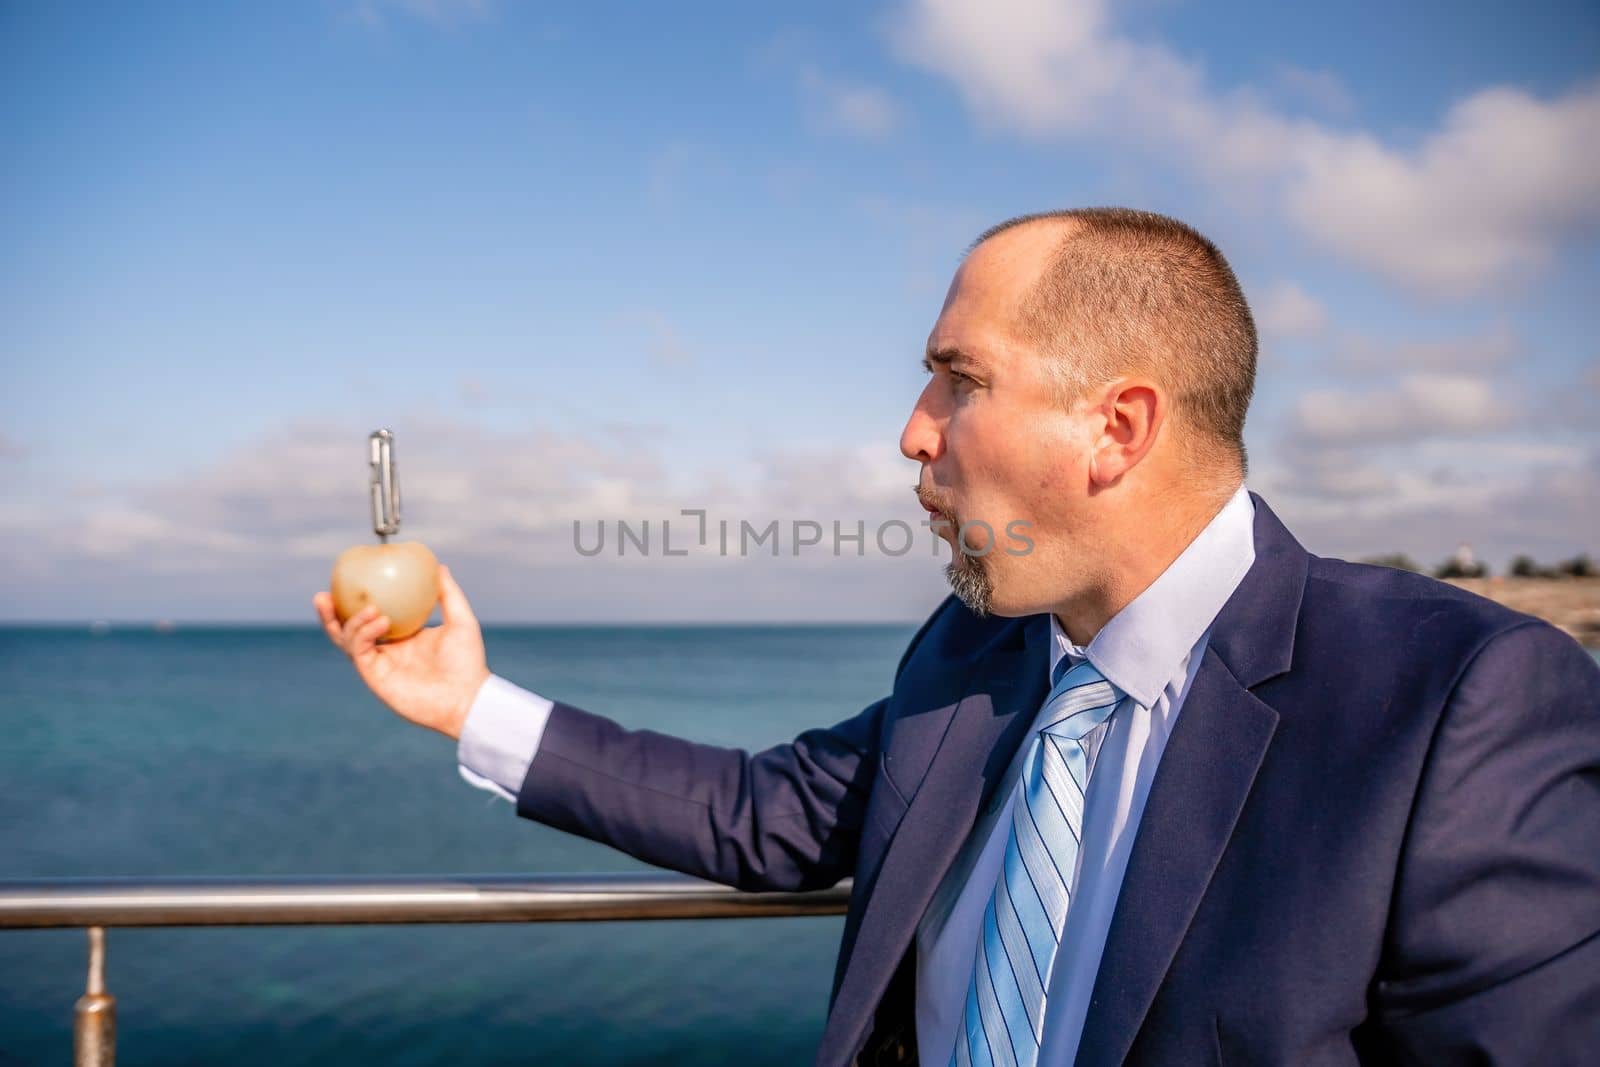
{"type": "Point", "coordinates": [1131, 411]}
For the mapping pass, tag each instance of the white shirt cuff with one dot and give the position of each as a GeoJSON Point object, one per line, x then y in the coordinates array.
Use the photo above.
{"type": "Point", "coordinates": [501, 736]}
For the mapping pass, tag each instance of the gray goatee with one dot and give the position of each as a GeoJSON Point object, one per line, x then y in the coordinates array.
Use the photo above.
{"type": "Point", "coordinates": [970, 581]}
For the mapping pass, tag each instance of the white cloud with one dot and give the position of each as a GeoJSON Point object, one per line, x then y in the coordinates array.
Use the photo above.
{"type": "Point", "coordinates": [838, 105]}
{"type": "Point", "coordinates": [1496, 189]}
{"type": "Point", "coordinates": [1504, 181]}
{"type": "Point", "coordinates": [266, 521]}
{"type": "Point", "coordinates": [1417, 406]}
{"type": "Point", "coordinates": [1289, 311]}
{"type": "Point", "coordinates": [1320, 89]}
{"type": "Point", "coordinates": [1453, 354]}
{"type": "Point", "coordinates": [1503, 498]}
{"type": "Point", "coordinates": [1328, 474]}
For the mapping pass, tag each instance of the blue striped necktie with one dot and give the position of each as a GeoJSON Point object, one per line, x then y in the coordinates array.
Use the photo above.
{"type": "Point", "coordinates": [1003, 1021]}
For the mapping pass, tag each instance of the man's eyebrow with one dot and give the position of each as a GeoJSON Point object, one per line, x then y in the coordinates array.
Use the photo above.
{"type": "Point", "coordinates": [946, 356]}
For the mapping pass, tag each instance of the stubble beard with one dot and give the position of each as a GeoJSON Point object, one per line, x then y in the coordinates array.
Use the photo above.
{"type": "Point", "coordinates": [971, 582]}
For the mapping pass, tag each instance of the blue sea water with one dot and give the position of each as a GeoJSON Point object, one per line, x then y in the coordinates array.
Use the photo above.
{"type": "Point", "coordinates": [256, 751]}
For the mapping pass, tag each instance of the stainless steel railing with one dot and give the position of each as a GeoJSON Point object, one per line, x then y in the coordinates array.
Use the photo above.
{"type": "Point", "coordinates": [96, 904]}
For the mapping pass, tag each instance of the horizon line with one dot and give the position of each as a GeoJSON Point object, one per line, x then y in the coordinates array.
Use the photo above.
{"type": "Point", "coordinates": [530, 624]}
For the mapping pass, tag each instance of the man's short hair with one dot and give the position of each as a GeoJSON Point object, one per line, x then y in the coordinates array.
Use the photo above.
{"type": "Point", "coordinates": [1133, 291]}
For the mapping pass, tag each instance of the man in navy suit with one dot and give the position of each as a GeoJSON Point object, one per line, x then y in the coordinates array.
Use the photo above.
{"type": "Point", "coordinates": [1160, 787]}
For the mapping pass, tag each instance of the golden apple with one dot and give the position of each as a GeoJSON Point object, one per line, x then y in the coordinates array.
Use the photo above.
{"type": "Point", "coordinates": [401, 578]}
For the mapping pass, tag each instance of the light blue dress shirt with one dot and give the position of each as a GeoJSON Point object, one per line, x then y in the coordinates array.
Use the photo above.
{"type": "Point", "coordinates": [1150, 650]}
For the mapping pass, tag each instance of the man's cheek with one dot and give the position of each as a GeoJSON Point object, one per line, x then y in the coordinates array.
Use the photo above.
{"type": "Point", "coordinates": [1019, 537]}
{"type": "Point", "coordinates": [976, 537]}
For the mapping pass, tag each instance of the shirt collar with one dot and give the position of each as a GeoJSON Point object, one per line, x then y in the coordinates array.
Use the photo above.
{"type": "Point", "coordinates": [1142, 647]}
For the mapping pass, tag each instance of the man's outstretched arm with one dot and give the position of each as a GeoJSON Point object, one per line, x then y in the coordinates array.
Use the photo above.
{"type": "Point", "coordinates": [787, 817]}
{"type": "Point", "coordinates": [1494, 944]}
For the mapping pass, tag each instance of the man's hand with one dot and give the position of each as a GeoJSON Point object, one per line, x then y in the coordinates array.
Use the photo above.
{"type": "Point", "coordinates": [431, 677]}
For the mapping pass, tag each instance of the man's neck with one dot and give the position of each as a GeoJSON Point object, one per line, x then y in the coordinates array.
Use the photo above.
{"type": "Point", "coordinates": [1137, 554]}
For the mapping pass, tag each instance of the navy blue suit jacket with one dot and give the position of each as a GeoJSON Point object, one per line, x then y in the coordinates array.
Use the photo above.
{"type": "Point", "coordinates": [1374, 835]}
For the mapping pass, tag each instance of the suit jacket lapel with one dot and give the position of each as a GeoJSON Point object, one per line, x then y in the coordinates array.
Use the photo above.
{"type": "Point", "coordinates": [1200, 787]}
{"type": "Point", "coordinates": [999, 699]}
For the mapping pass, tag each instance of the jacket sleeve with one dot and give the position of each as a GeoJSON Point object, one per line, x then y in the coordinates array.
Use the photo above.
{"type": "Point", "coordinates": [1494, 943]}
{"type": "Point", "coordinates": [786, 818]}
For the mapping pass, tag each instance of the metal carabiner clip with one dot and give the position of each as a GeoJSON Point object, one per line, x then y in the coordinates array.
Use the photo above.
{"type": "Point", "coordinates": [385, 483]}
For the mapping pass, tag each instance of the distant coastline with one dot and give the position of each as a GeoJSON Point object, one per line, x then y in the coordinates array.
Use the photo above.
{"type": "Point", "coordinates": [1573, 604]}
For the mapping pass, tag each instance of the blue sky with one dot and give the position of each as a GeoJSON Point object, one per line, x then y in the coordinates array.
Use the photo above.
{"type": "Point", "coordinates": [593, 261]}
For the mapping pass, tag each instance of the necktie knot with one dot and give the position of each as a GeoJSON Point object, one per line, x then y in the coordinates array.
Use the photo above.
{"type": "Point", "coordinates": [1080, 700]}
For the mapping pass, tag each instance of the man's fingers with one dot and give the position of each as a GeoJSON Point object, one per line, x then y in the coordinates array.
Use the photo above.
{"type": "Point", "coordinates": [452, 601]}
{"type": "Point", "coordinates": [353, 626]}
{"type": "Point", "coordinates": [367, 635]}
{"type": "Point", "coordinates": [323, 602]}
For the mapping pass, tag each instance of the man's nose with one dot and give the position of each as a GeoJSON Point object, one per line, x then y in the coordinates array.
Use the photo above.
{"type": "Point", "coordinates": [923, 437]}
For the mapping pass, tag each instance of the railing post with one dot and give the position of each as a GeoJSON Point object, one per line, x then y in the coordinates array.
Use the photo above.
{"type": "Point", "coordinates": [94, 1023]}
